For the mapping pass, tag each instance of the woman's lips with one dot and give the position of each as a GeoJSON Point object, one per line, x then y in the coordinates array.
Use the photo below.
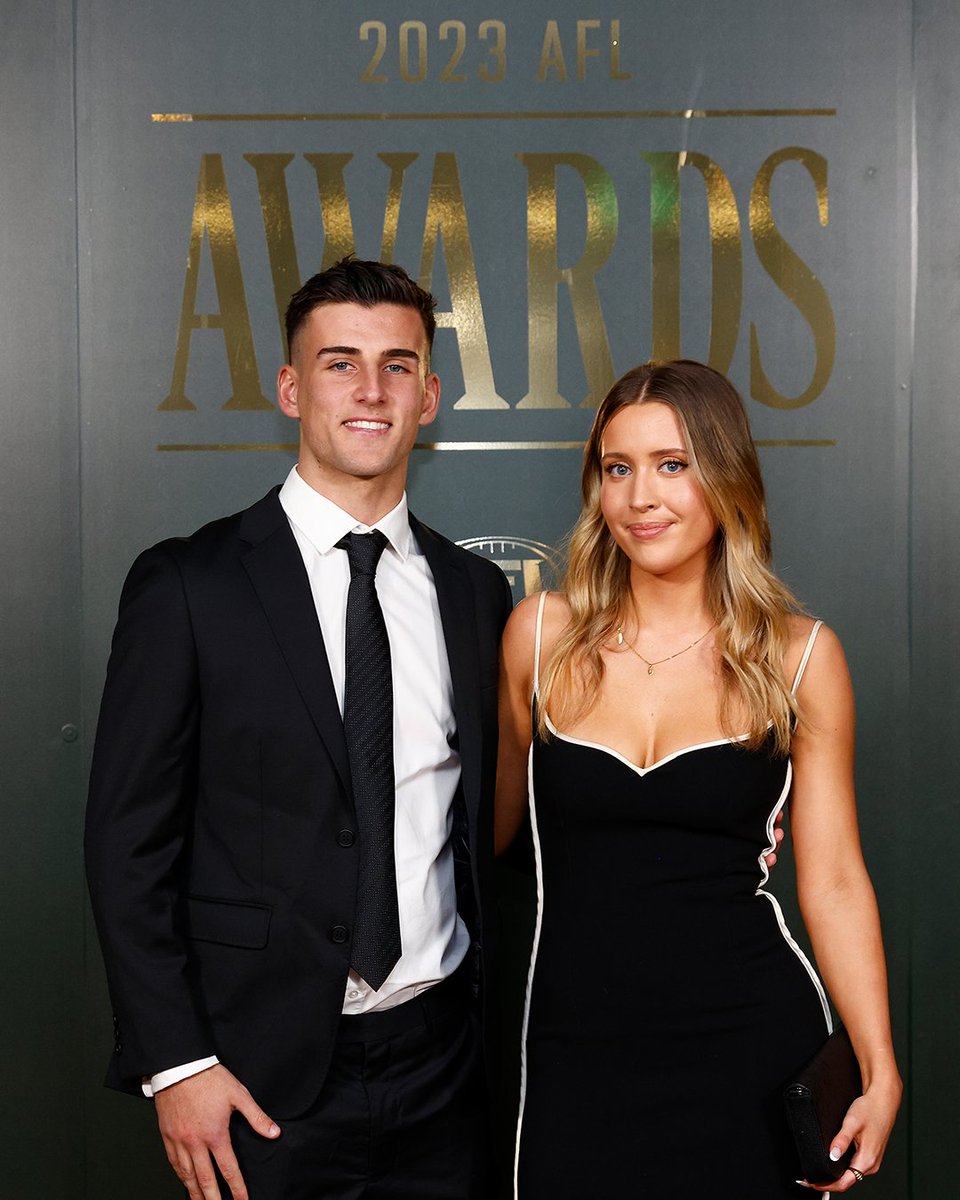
{"type": "Point", "coordinates": [649, 529]}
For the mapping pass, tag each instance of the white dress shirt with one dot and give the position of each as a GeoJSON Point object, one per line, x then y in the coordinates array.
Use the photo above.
{"type": "Point", "coordinates": [426, 768]}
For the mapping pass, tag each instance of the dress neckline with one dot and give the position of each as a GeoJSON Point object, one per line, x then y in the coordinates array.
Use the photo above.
{"type": "Point", "coordinates": [628, 762]}
{"type": "Point", "coordinates": [805, 658]}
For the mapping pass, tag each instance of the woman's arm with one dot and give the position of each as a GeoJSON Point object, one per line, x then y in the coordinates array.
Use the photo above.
{"type": "Point", "coordinates": [516, 692]}
{"type": "Point", "coordinates": [837, 899]}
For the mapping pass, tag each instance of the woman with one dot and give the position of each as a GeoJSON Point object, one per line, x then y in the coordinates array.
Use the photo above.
{"type": "Point", "coordinates": [679, 697]}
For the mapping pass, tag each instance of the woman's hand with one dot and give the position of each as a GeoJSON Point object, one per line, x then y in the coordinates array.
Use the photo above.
{"type": "Point", "coordinates": [868, 1123]}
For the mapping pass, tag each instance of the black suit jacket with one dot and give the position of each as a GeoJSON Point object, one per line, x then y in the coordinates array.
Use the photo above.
{"type": "Point", "coordinates": [219, 857]}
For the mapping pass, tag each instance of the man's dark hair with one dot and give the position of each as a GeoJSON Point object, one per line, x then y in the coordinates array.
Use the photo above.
{"type": "Point", "coordinates": [359, 281]}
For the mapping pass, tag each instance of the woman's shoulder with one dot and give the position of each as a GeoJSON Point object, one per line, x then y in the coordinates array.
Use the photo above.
{"type": "Point", "coordinates": [521, 631]}
{"type": "Point", "coordinates": [813, 649]}
{"type": "Point", "coordinates": [556, 611]}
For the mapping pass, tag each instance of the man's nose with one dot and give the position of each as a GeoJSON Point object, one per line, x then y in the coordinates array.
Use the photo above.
{"type": "Point", "coordinates": [369, 385]}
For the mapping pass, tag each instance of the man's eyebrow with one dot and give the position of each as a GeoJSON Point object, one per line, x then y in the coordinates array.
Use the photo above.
{"type": "Point", "coordinates": [398, 352]}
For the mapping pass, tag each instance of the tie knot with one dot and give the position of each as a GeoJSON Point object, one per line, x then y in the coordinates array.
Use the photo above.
{"type": "Point", "coordinates": [363, 551]}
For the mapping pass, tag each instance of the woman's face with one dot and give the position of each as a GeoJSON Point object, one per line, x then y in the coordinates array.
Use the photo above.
{"type": "Point", "coordinates": [651, 499]}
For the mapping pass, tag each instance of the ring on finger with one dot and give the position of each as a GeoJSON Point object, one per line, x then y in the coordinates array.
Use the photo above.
{"type": "Point", "coordinates": [858, 1175]}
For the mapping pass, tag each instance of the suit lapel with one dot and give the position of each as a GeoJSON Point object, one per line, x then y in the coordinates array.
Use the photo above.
{"type": "Point", "coordinates": [276, 571]}
{"type": "Point", "coordinates": [458, 617]}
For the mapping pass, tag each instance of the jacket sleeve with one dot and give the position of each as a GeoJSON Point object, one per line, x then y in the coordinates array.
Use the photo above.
{"type": "Point", "coordinates": [139, 813]}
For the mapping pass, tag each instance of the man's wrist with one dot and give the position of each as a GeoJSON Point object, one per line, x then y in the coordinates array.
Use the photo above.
{"type": "Point", "coordinates": [164, 1079]}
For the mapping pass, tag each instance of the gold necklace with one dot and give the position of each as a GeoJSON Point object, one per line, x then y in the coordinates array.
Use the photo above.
{"type": "Point", "coordinates": [621, 640]}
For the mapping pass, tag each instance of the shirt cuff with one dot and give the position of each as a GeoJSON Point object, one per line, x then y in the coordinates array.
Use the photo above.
{"type": "Point", "coordinates": [164, 1079]}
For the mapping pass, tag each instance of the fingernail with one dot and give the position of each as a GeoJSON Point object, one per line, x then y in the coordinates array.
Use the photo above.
{"type": "Point", "coordinates": [835, 1153]}
{"type": "Point", "coordinates": [273, 1131]}
{"type": "Point", "coordinates": [802, 1182]}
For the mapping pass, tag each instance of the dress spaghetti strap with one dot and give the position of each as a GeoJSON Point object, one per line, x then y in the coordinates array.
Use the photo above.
{"type": "Point", "coordinates": [807, 651]}
{"type": "Point", "coordinates": [536, 644]}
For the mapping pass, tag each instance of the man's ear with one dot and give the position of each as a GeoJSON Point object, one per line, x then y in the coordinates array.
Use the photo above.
{"type": "Point", "coordinates": [431, 399]}
{"type": "Point", "coordinates": [287, 392]}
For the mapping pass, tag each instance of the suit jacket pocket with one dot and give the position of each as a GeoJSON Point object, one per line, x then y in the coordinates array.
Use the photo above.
{"type": "Point", "coordinates": [229, 922]}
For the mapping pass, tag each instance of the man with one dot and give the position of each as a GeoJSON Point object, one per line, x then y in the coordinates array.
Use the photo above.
{"type": "Point", "coordinates": [289, 830]}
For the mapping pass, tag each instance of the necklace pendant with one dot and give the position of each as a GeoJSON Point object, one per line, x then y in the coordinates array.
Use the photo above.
{"type": "Point", "coordinates": [650, 670]}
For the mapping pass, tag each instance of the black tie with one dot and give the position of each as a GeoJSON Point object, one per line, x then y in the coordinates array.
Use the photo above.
{"type": "Point", "coordinates": [368, 726]}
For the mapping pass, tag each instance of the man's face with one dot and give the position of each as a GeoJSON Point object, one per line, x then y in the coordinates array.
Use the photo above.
{"type": "Point", "coordinates": [358, 382]}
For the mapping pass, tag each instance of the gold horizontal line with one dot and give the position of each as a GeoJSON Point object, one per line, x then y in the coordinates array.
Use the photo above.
{"type": "Point", "coordinates": [499, 446]}
{"type": "Point", "coordinates": [580, 445]}
{"type": "Point", "coordinates": [292, 447]}
{"type": "Point", "coordinates": [205, 446]}
{"type": "Point", "coordinates": [640, 114]}
{"type": "Point", "coordinates": [796, 442]}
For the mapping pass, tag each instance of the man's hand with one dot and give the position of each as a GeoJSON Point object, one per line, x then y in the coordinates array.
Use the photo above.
{"type": "Point", "coordinates": [194, 1117]}
{"type": "Point", "coordinates": [771, 858]}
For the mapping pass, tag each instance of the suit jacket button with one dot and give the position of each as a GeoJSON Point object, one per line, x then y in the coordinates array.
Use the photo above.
{"type": "Point", "coordinates": [346, 838]}
{"type": "Point", "coordinates": [118, 1047]}
{"type": "Point", "coordinates": [339, 934]}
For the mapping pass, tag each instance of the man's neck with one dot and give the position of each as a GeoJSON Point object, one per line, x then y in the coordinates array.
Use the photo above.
{"type": "Point", "coordinates": [365, 499]}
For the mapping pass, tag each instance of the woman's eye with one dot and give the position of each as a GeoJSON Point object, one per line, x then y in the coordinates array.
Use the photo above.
{"type": "Point", "coordinates": [617, 470]}
{"type": "Point", "coordinates": [672, 466]}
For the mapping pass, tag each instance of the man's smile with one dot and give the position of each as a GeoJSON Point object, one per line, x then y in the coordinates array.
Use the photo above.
{"type": "Point", "coordinates": [367, 424]}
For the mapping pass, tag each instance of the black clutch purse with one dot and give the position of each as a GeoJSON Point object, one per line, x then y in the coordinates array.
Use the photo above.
{"type": "Point", "coordinates": [817, 1101]}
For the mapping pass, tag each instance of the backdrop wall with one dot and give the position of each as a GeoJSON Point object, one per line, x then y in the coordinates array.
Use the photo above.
{"type": "Point", "coordinates": [768, 186]}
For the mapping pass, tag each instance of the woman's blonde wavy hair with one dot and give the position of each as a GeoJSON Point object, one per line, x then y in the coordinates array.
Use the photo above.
{"type": "Point", "coordinates": [748, 602]}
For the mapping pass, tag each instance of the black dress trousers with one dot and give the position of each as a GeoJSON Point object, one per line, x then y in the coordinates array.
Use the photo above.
{"type": "Point", "coordinates": [402, 1114]}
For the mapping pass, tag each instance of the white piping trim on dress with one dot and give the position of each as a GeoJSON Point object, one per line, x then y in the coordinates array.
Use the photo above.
{"type": "Point", "coordinates": [660, 762]}
{"type": "Point", "coordinates": [784, 930]}
{"type": "Point", "coordinates": [533, 963]}
{"type": "Point", "coordinates": [531, 801]}
{"type": "Point", "coordinates": [772, 845]}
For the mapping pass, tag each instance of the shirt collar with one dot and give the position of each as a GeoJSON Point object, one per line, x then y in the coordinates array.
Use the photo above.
{"type": "Point", "coordinates": [324, 523]}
